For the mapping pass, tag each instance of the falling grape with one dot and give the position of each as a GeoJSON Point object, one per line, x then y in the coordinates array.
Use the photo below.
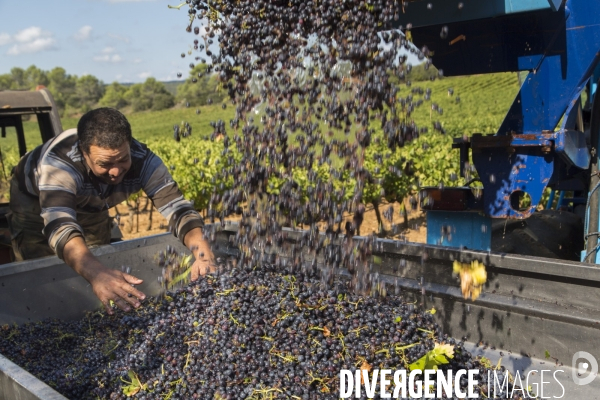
{"type": "Point", "coordinates": [444, 32]}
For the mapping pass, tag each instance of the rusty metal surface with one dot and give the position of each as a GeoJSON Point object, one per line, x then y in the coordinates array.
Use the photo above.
{"type": "Point", "coordinates": [513, 140]}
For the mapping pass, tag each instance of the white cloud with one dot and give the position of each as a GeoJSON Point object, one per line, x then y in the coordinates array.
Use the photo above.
{"type": "Point", "coordinates": [83, 33]}
{"type": "Point", "coordinates": [4, 39]}
{"type": "Point", "coordinates": [108, 55]}
{"type": "Point", "coordinates": [137, 61]}
{"type": "Point", "coordinates": [29, 40]}
{"type": "Point", "coordinates": [28, 34]}
{"type": "Point", "coordinates": [145, 75]}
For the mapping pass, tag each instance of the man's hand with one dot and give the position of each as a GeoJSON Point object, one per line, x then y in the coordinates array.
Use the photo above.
{"type": "Point", "coordinates": [107, 284]}
{"type": "Point", "coordinates": [205, 259]}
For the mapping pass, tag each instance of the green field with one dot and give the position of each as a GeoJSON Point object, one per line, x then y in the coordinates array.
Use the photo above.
{"type": "Point", "coordinates": [145, 126]}
{"type": "Point", "coordinates": [484, 100]}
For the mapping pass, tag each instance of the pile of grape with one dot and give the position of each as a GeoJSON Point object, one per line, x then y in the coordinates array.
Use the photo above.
{"type": "Point", "coordinates": [247, 333]}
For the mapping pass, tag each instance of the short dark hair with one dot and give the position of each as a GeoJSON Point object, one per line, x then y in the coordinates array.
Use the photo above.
{"type": "Point", "coordinates": [103, 127]}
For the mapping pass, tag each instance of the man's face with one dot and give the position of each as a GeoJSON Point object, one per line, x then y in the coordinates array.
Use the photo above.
{"type": "Point", "coordinates": [109, 165]}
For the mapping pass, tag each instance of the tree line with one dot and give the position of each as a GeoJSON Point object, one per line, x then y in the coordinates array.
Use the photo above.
{"type": "Point", "coordinates": [78, 94]}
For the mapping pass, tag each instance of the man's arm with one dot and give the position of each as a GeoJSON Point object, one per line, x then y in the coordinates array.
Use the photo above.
{"type": "Point", "coordinates": [184, 221]}
{"type": "Point", "coordinates": [198, 245]}
{"type": "Point", "coordinates": [108, 284]}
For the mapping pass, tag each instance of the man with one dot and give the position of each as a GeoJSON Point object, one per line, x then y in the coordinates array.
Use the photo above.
{"type": "Point", "coordinates": [61, 192]}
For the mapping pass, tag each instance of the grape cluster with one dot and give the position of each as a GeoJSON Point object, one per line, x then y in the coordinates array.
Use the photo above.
{"type": "Point", "coordinates": [245, 333]}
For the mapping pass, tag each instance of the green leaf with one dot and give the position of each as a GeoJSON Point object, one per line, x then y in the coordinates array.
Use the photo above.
{"type": "Point", "coordinates": [437, 356]}
{"type": "Point", "coordinates": [419, 364]}
{"type": "Point", "coordinates": [132, 376]}
{"type": "Point", "coordinates": [133, 386]}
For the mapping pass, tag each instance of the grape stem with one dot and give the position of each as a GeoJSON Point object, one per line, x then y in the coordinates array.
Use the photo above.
{"type": "Point", "coordinates": [177, 7]}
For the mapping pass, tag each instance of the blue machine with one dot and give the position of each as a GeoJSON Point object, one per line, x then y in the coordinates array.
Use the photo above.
{"type": "Point", "coordinates": [542, 141]}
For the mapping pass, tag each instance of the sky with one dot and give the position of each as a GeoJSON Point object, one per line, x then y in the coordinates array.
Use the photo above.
{"type": "Point", "coordinates": [126, 41]}
{"type": "Point", "coordinates": [114, 40]}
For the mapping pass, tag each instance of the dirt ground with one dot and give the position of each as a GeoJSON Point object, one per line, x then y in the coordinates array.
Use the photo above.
{"type": "Point", "coordinates": [139, 225]}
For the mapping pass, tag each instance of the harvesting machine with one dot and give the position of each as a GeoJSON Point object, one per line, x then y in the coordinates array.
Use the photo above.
{"type": "Point", "coordinates": [541, 305]}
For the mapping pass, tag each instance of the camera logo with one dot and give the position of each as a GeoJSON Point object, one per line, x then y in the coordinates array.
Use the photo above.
{"type": "Point", "coordinates": [580, 368]}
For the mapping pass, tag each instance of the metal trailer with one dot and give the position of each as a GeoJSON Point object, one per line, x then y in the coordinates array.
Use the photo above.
{"type": "Point", "coordinates": [530, 305]}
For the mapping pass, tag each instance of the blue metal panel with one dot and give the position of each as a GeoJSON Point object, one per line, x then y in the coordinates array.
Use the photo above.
{"type": "Point", "coordinates": [559, 44]}
{"type": "Point", "coordinates": [435, 12]}
{"type": "Point", "coordinates": [515, 6]}
{"type": "Point", "coordinates": [459, 229]}
{"type": "Point", "coordinates": [559, 73]}
{"type": "Point", "coordinates": [552, 89]}
{"type": "Point", "coordinates": [561, 197]}
{"type": "Point", "coordinates": [550, 200]}
{"type": "Point", "coordinates": [504, 172]}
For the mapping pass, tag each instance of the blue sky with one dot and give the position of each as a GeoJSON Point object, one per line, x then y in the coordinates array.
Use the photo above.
{"type": "Point", "coordinates": [114, 40]}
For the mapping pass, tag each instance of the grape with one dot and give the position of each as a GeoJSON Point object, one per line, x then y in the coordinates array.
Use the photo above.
{"type": "Point", "coordinates": [444, 32]}
{"type": "Point", "coordinates": [231, 335]}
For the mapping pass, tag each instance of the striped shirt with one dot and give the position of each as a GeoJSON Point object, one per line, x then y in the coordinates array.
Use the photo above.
{"type": "Point", "coordinates": [57, 173]}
